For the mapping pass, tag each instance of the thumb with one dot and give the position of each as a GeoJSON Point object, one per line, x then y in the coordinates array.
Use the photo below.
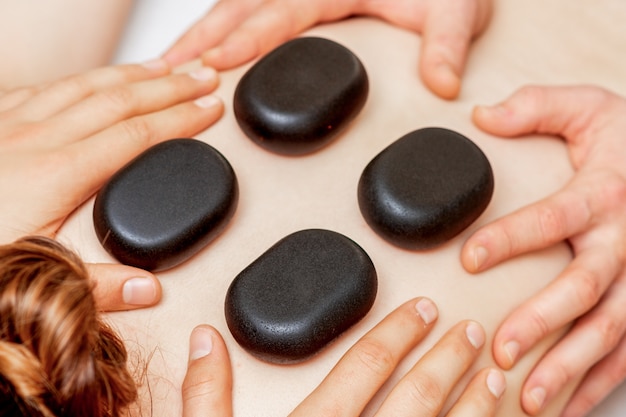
{"type": "Point", "coordinates": [121, 287]}
{"type": "Point", "coordinates": [448, 31]}
{"type": "Point", "coordinates": [207, 387]}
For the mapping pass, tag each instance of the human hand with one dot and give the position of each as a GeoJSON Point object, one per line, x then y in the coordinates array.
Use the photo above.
{"type": "Point", "coordinates": [363, 370]}
{"type": "Point", "coordinates": [60, 142]}
{"type": "Point", "coordinates": [589, 213]}
{"type": "Point", "coordinates": [236, 31]}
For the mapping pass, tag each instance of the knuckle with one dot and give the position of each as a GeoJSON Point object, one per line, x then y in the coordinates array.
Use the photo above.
{"type": "Point", "coordinates": [531, 94]}
{"type": "Point", "coordinates": [456, 344]}
{"type": "Point", "coordinates": [586, 401]}
{"type": "Point", "coordinates": [598, 95]}
{"type": "Point", "coordinates": [551, 222]}
{"type": "Point", "coordinates": [204, 386]}
{"type": "Point", "coordinates": [610, 332]}
{"type": "Point", "coordinates": [506, 239]}
{"type": "Point", "coordinates": [617, 374]}
{"type": "Point", "coordinates": [499, 236]}
{"type": "Point", "coordinates": [612, 190]}
{"type": "Point", "coordinates": [375, 357]}
{"type": "Point", "coordinates": [28, 92]}
{"type": "Point", "coordinates": [426, 393]}
{"type": "Point", "coordinates": [587, 289]}
{"type": "Point", "coordinates": [538, 321]}
{"type": "Point", "coordinates": [25, 132]}
{"type": "Point", "coordinates": [454, 40]}
{"type": "Point", "coordinates": [77, 84]}
{"type": "Point", "coordinates": [561, 375]}
{"type": "Point", "coordinates": [138, 130]}
{"type": "Point", "coordinates": [118, 99]}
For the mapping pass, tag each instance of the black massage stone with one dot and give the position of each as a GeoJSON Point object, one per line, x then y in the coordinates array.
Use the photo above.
{"type": "Point", "coordinates": [166, 204]}
{"type": "Point", "coordinates": [299, 295]}
{"type": "Point", "coordinates": [298, 97]}
{"type": "Point", "coordinates": [425, 188]}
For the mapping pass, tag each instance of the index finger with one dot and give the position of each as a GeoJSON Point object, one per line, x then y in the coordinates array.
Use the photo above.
{"type": "Point", "coordinates": [423, 391]}
{"type": "Point", "coordinates": [533, 227]}
{"type": "Point", "coordinates": [271, 24]}
{"type": "Point", "coordinates": [210, 30]}
{"type": "Point", "coordinates": [367, 365]}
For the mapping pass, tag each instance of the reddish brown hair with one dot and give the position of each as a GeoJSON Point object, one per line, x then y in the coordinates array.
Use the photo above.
{"type": "Point", "coordinates": [57, 356]}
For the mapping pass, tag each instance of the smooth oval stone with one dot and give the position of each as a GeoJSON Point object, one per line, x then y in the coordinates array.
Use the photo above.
{"type": "Point", "coordinates": [166, 204]}
{"type": "Point", "coordinates": [299, 295]}
{"type": "Point", "coordinates": [298, 97]}
{"type": "Point", "coordinates": [425, 188]}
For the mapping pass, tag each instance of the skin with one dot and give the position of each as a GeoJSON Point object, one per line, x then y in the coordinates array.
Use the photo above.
{"type": "Point", "coordinates": [115, 114]}
{"type": "Point", "coordinates": [280, 195]}
{"type": "Point", "coordinates": [118, 112]}
{"type": "Point", "coordinates": [589, 213]}
{"type": "Point", "coordinates": [588, 217]}
{"type": "Point", "coordinates": [44, 45]}
{"type": "Point", "coordinates": [595, 297]}
{"type": "Point", "coordinates": [237, 31]}
{"type": "Point", "coordinates": [207, 387]}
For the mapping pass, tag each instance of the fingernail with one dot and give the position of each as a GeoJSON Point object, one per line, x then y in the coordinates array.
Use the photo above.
{"type": "Point", "coordinates": [496, 383]}
{"type": "Point", "coordinates": [475, 335]}
{"type": "Point", "coordinates": [203, 74]}
{"type": "Point", "coordinates": [427, 310]}
{"type": "Point", "coordinates": [207, 102]}
{"type": "Point", "coordinates": [511, 349]}
{"type": "Point", "coordinates": [139, 291]}
{"type": "Point", "coordinates": [200, 343]}
{"type": "Point", "coordinates": [155, 64]}
{"type": "Point", "coordinates": [538, 396]}
{"type": "Point", "coordinates": [480, 256]}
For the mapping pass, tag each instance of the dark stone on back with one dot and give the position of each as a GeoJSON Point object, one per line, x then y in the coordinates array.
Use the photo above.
{"type": "Point", "coordinates": [425, 188]}
{"type": "Point", "coordinates": [166, 204]}
{"type": "Point", "coordinates": [300, 295]}
{"type": "Point", "coordinates": [298, 97]}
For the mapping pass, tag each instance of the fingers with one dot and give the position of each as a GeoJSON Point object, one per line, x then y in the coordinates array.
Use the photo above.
{"type": "Point", "coordinates": [207, 387]}
{"type": "Point", "coordinates": [448, 31]}
{"type": "Point", "coordinates": [533, 227]}
{"type": "Point", "coordinates": [367, 365]}
{"type": "Point", "coordinates": [574, 292]}
{"type": "Point", "coordinates": [605, 376]}
{"type": "Point", "coordinates": [423, 391]}
{"type": "Point", "coordinates": [210, 30]}
{"type": "Point", "coordinates": [592, 337]}
{"type": "Point", "coordinates": [61, 94]}
{"type": "Point", "coordinates": [119, 103]}
{"type": "Point", "coordinates": [482, 395]}
{"type": "Point", "coordinates": [14, 98]}
{"type": "Point", "coordinates": [100, 156]}
{"type": "Point", "coordinates": [562, 111]}
{"type": "Point", "coordinates": [120, 287]}
{"type": "Point", "coordinates": [235, 32]}
{"type": "Point", "coordinates": [592, 201]}
{"type": "Point", "coordinates": [271, 24]}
